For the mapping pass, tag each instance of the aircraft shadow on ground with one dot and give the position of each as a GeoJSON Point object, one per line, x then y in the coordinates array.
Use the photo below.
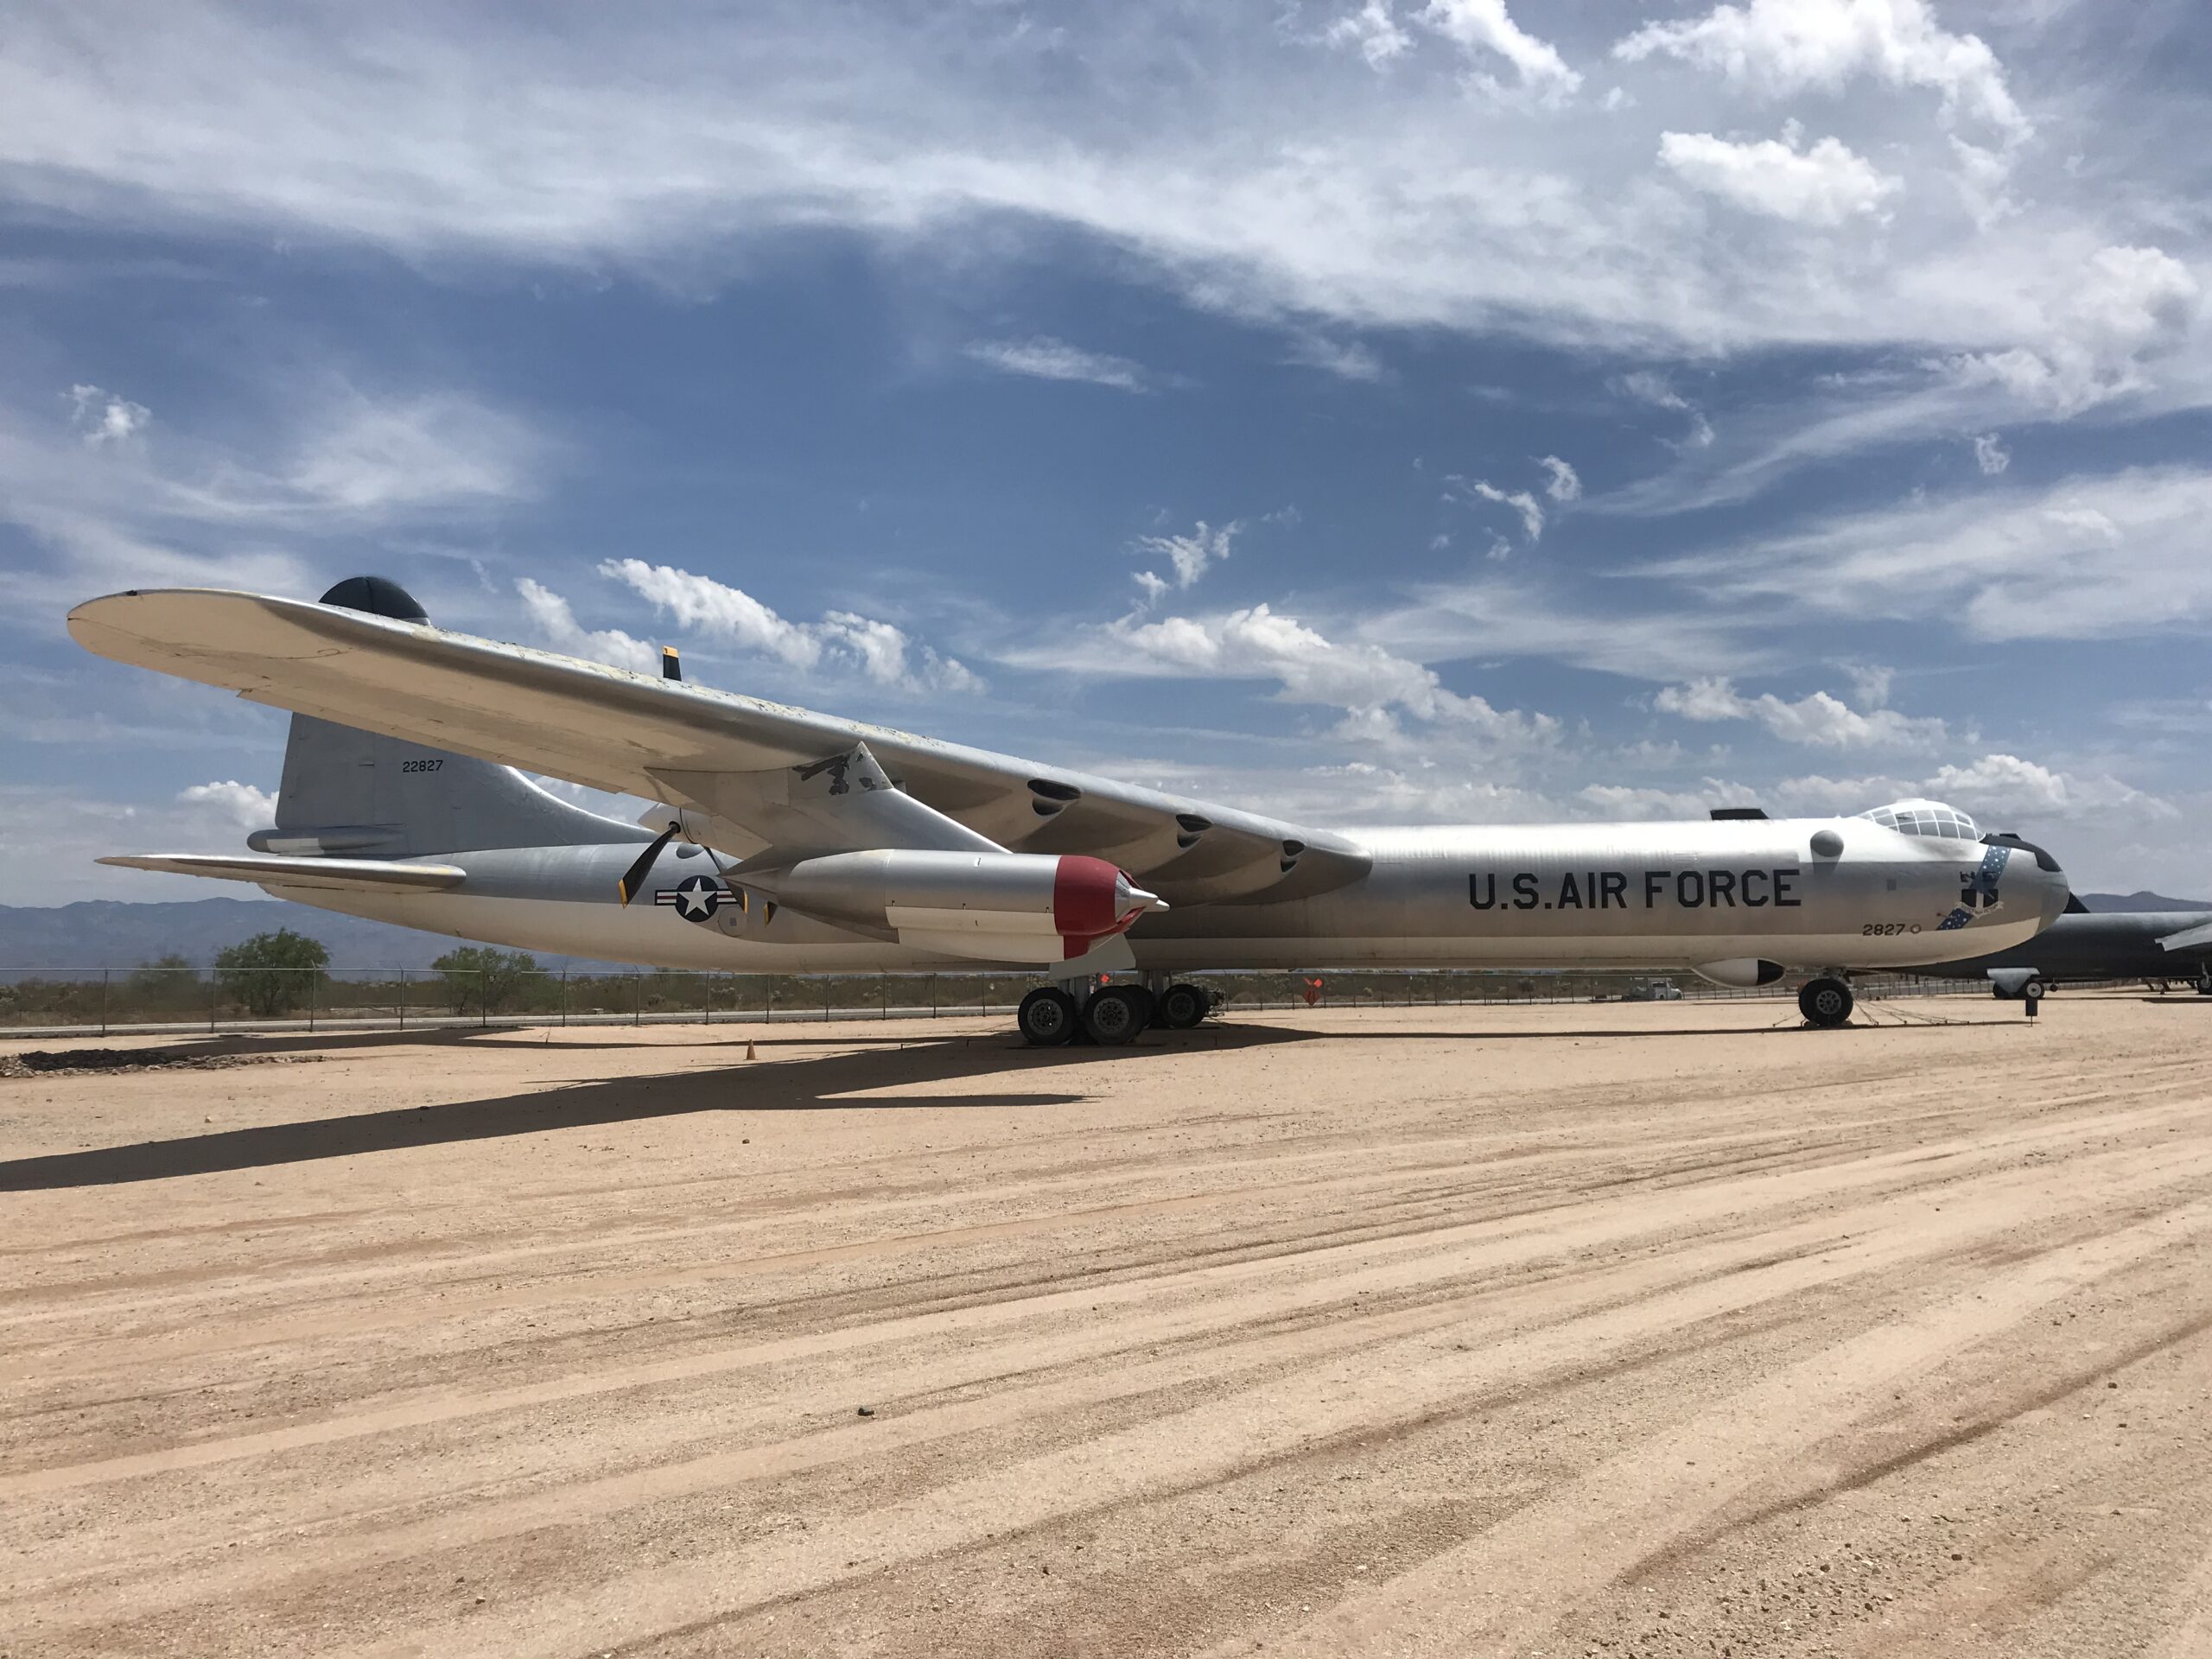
{"type": "Point", "coordinates": [820, 1082]}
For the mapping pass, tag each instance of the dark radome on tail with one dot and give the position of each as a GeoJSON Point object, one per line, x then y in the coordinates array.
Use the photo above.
{"type": "Point", "coordinates": [353, 794]}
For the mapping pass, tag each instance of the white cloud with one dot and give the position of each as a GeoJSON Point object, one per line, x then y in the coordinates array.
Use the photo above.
{"type": "Point", "coordinates": [2121, 311]}
{"type": "Point", "coordinates": [1530, 509]}
{"type": "Point", "coordinates": [880, 651]}
{"type": "Point", "coordinates": [1279, 184]}
{"type": "Point", "coordinates": [1371, 685]}
{"type": "Point", "coordinates": [2005, 783]}
{"type": "Point", "coordinates": [1871, 681]}
{"type": "Point", "coordinates": [101, 417]}
{"type": "Point", "coordinates": [1192, 148]}
{"type": "Point", "coordinates": [1193, 554]}
{"type": "Point", "coordinates": [1646, 387]}
{"type": "Point", "coordinates": [1646, 802]}
{"type": "Point", "coordinates": [1780, 48]}
{"type": "Point", "coordinates": [2113, 556]}
{"type": "Point", "coordinates": [1374, 30]}
{"type": "Point", "coordinates": [1346, 359]}
{"type": "Point", "coordinates": [1705, 699]}
{"type": "Point", "coordinates": [111, 512]}
{"type": "Point", "coordinates": [379, 456]}
{"type": "Point", "coordinates": [556, 621]}
{"type": "Point", "coordinates": [1995, 786]}
{"type": "Point", "coordinates": [1564, 483]}
{"type": "Point", "coordinates": [1826, 185]}
{"type": "Point", "coordinates": [1991, 455]}
{"type": "Point", "coordinates": [718, 610]}
{"type": "Point", "coordinates": [1152, 586]}
{"type": "Point", "coordinates": [1477, 27]}
{"type": "Point", "coordinates": [248, 807]}
{"type": "Point", "coordinates": [1983, 182]}
{"type": "Point", "coordinates": [1820, 721]}
{"type": "Point", "coordinates": [1043, 357]}
{"type": "Point", "coordinates": [1498, 617]}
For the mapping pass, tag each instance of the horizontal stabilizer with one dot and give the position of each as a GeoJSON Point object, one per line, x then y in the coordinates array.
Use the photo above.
{"type": "Point", "coordinates": [2189, 938]}
{"type": "Point", "coordinates": [342, 874]}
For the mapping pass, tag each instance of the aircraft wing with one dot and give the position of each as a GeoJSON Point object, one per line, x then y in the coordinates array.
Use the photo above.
{"type": "Point", "coordinates": [343, 875]}
{"type": "Point", "coordinates": [2189, 938]}
{"type": "Point", "coordinates": [731, 758]}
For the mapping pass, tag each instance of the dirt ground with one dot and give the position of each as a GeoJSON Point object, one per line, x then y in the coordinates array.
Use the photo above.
{"type": "Point", "coordinates": [1653, 1330]}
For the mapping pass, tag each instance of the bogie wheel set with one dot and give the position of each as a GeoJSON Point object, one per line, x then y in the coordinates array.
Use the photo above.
{"type": "Point", "coordinates": [1111, 1016]}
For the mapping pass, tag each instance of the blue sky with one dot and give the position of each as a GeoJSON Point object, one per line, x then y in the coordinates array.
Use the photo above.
{"type": "Point", "coordinates": [1371, 412]}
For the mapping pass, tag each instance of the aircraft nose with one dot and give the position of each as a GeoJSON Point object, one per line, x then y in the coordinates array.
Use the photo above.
{"type": "Point", "coordinates": [2056, 893]}
{"type": "Point", "coordinates": [2052, 890]}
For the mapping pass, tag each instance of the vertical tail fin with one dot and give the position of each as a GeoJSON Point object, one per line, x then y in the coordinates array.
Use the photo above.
{"type": "Point", "coordinates": [353, 793]}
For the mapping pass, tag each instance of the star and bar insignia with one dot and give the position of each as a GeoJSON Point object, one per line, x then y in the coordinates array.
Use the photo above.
{"type": "Point", "coordinates": [696, 898]}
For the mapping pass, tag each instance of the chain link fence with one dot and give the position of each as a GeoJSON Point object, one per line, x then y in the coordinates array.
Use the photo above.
{"type": "Point", "coordinates": [86, 1000]}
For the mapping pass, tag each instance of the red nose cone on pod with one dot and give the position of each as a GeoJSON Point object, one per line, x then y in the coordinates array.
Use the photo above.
{"type": "Point", "coordinates": [1092, 900]}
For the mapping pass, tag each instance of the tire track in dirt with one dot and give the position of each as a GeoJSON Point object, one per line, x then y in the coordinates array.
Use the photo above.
{"type": "Point", "coordinates": [1597, 1528]}
{"type": "Point", "coordinates": [1558, 1228]}
{"type": "Point", "coordinates": [1229, 1432]}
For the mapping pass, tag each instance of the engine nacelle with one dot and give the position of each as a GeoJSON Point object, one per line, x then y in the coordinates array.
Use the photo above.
{"type": "Point", "coordinates": [992, 907]}
{"type": "Point", "coordinates": [1739, 973]}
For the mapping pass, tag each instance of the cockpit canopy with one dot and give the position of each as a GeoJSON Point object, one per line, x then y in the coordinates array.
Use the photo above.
{"type": "Point", "coordinates": [1917, 818]}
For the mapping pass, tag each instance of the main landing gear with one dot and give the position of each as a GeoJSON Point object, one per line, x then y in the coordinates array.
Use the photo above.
{"type": "Point", "coordinates": [1825, 1002]}
{"type": "Point", "coordinates": [1182, 1006]}
{"type": "Point", "coordinates": [1111, 1016]}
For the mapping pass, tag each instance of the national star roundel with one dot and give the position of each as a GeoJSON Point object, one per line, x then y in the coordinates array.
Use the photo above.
{"type": "Point", "coordinates": [696, 898]}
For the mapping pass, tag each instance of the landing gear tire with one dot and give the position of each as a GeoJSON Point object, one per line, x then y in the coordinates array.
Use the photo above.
{"type": "Point", "coordinates": [1115, 1015]}
{"type": "Point", "coordinates": [1182, 1006]}
{"type": "Point", "coordinates": [2035, 989]}
{"type": "Point", "coordinates": [2204, 986]}
{"type": "Point", "coordinates": [1047, 1017]}
{"type": "Point", "coordinates": [1825, 1002]}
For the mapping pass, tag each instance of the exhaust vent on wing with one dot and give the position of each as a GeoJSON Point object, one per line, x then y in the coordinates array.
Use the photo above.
{"type": "Point", "coordinates": [1048, 799]}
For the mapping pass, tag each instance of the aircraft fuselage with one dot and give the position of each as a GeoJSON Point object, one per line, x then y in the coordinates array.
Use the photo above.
{"type": "Point", "coordinates": [1679, 895]}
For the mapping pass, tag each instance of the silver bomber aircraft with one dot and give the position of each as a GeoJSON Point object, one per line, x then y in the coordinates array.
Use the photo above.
{"type": "Point", "coordinates": [794, 841]}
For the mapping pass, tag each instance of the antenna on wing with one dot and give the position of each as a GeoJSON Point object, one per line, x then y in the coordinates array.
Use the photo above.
{"type": "Point", "coordinates": [671, 665]}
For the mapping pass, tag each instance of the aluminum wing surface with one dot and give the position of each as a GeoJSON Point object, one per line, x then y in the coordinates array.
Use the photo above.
{"type": "Point", "coordinates": [733, 760]}
{"type": "Point", "coordinates": [2189, 938]}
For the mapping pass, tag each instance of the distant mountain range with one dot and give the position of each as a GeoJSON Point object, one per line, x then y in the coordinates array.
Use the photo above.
{"type": "Point", "coordinates": [115, 934]}
{"type": "Point", "coordinates": [2145, 901]}
{"type": "Point", "coordinates": [111, 933]}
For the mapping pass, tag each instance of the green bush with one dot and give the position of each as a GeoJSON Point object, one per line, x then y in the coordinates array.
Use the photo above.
{"type": "Point", "coordinates": [482, 980]}
{"type": "Point", "coordinates": [273, 974]}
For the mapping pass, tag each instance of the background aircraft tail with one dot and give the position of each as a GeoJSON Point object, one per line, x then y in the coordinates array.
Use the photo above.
{"type": "Point", "coordinates": [355, 794]}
